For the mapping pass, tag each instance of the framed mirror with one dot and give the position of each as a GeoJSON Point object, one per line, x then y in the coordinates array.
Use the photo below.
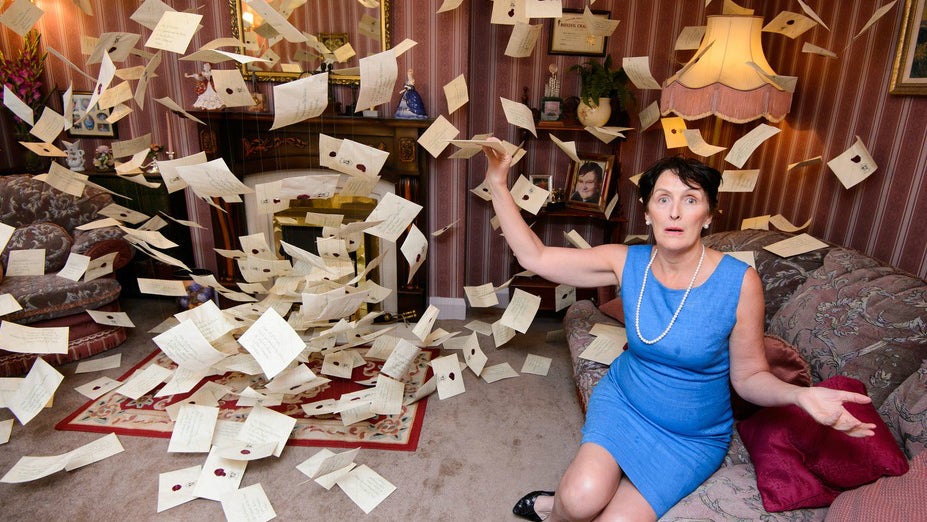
{"type": "Point", "coordinates": [333, 22]}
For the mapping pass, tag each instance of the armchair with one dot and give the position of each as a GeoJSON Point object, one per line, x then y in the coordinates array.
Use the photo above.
{"type": "Point", "coordinates": [44, 217]}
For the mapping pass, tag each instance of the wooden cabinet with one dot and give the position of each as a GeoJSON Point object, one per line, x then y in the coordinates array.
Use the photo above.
{"type": "Point", "coordinates": [150, 201]}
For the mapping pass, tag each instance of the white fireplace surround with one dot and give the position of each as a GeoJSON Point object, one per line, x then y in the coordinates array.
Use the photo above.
{"type": "Point", "coordinates": [263, 223]}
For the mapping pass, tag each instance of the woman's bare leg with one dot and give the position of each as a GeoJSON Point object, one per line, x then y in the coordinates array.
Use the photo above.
{"type": "Point", "coordinates": [627, 505]}
{"type": "Point", "coordinates": [587, 487]}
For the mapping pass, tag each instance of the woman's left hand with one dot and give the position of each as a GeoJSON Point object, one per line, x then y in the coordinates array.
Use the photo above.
{"type": "Point", "coordinates": [826, 407]}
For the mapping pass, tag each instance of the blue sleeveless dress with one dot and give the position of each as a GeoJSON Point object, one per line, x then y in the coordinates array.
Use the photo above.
{"type": "Point", "coordinates": [664, 410]}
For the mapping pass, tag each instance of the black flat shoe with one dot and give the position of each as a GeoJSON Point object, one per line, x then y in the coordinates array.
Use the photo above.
{"type": "Point", "coordinates": [524, 508]}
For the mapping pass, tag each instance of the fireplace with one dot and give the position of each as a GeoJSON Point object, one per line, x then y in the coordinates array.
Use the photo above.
{"type": "Point", "coordinates": [258, 155]}
{"type": "Point", "coordinates": [290, 225]}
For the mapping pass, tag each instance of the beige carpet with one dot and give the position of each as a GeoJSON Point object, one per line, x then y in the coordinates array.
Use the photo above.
{"type": "Point", "coordinates": [478, 452]}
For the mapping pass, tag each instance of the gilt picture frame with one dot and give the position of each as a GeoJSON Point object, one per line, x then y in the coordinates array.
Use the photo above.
{"type": "Point", "coordinates": [909, 70]}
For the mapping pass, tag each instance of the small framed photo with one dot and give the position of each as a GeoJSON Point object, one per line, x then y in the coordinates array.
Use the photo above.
{"type": "Point", "coordinates": [551, 109]}
{"type": "Point", "coordinates": [568, 35]}
{"type": "Point", "coordinates": [545, 181]}
{"type": "Point", "coordinates": [588, 182]}
{"type": "Point", "coordinates": [94, 124]}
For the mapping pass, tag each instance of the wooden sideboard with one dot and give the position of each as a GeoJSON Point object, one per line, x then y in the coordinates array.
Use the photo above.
{"type": "Point", "coordinates": [248, 146]}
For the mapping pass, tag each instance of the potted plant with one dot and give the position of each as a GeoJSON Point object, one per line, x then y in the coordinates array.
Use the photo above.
{"type": "Point", "coordinates": [599, 83]}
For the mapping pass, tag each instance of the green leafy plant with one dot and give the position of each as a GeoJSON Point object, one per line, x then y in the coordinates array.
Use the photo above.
{"type": "Point", "coordinates": [600, 80]}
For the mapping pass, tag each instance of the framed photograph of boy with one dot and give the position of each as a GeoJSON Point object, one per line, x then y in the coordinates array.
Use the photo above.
{"type": "Point", "coordinates": [94, 123]}
{"type": "Point", "coordinates": [588, 180]}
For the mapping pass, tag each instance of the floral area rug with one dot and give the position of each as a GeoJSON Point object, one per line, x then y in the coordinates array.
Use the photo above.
{"type": "Point", "coordinates": [146, 417]}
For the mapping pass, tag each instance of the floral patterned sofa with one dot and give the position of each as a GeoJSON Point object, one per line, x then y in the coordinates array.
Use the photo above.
{"type": "Point", "coordinates": [846, 314]}
{"type": "Point", "coordinates": [44, 217]}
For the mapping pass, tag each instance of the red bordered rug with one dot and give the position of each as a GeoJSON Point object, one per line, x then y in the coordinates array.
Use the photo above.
{"type": "Point", "coordinates": [146, 417]}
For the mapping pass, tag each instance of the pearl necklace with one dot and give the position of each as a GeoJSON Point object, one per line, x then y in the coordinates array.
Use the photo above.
{"type": "Point", "coordinates": [640, 299]}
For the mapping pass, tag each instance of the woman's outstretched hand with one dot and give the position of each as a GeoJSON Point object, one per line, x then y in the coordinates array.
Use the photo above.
{"type": "Point", "coordinates": [826, 407]}
{"type": "Point", "coordinates": [499, 162]}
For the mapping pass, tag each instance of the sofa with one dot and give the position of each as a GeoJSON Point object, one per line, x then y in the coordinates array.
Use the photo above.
{"type": "Point", "coordinates": [848, 318]}
{"type": "Point", "coordinates": [46, 218]}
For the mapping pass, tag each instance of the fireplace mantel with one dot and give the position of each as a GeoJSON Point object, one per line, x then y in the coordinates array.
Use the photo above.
{"type": "Point", "coordinates": [248, 146]}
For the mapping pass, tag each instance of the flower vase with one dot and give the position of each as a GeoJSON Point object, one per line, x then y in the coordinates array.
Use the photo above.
{"type": "Point", "coordinates": [594, 116]}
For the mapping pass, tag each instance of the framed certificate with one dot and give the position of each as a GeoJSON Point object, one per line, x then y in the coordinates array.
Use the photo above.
{"type": "Point", "coordinates": [568, 35]}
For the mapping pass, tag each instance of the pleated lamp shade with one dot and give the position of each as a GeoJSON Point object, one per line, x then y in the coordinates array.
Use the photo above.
{"type": "Point", "coordinates": [720, 80]}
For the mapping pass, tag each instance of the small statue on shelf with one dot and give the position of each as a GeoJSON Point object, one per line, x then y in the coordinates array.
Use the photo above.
{"type": "Point", "coordinates": [552, 104]}
{"type": "Point", "coordinates": [207, 99]}
{"type": "Point", "coordinates": [75, 157]}
{"type": "Point", "coordinates": [410, 105]}
{"type": "Point", "coordinates": [103, 159]}
{"type": "Point", "coordinates": [552, 88]}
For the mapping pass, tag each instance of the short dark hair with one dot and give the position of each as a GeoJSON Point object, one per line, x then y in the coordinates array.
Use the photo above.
{"type": "Point", "coordinates": [590, 166]}
{"type": "Point", "coordinates": [691, 171]}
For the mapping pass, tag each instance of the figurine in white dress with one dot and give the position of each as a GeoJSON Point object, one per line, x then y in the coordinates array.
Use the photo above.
{"type": "Point", "coordinates": [207, 98]}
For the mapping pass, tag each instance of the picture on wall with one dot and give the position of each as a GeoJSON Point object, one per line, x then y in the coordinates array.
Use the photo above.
{"type": "Point", "coordinates": [909, 71]}
{"type": "Point", "coordinates": [568, 35]}
{"type": "Point", "coordinates": [588, 181]}
{"type": "Point", "coordinates": [94, 124]}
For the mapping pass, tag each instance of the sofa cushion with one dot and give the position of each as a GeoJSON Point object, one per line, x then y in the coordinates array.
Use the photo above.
{"type": "Point", "coordinates": [889, 498]}
{"type": "Point", "coordinates": [780, 275]}
{"type": "Point", "coordinates": [85, 339]}
{"type": "Point", "coordinates": [614, 309]}
{"type": "Point", "coordinates": [52, 237]}
{"type": "Point", "coordinates": [731, 494]}
{"type": "Point", "coordinates": [800, 463]}
{"type": "Point", "coordinates": [785, 363]}
{"type": "Point", "coordinates": [856, 317]}
{"type": "Point", "coordinates": [49, 296]}
{"type": "Point", "coordinates": [905, 412]}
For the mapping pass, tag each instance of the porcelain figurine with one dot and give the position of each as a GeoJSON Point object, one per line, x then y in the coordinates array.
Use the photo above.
{"type": "Point", "coordinates": [410, 105]}
{"type": "Point", "coordinates": [75, 157]}
{"type": "Point", "coordinates": [208, 99]}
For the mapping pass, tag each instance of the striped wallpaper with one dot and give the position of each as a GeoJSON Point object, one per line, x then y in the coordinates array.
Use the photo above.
{"type": "Point", "coordinates": [835, 101]}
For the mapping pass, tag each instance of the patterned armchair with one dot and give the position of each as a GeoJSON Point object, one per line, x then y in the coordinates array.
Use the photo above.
{"type": "Point", "coordinates": [44, 217]}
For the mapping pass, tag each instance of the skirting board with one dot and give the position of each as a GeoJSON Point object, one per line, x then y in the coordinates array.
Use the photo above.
{"type": "Point", "coordinates": [455, 308]}
{"type": "Point", "coordinates": [452, 308]}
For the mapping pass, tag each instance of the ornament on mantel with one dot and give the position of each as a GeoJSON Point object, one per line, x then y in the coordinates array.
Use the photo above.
{"type": "Point", "coordinates": [410, 104]}
{"type": "Point", "coordinates": [208, 99]}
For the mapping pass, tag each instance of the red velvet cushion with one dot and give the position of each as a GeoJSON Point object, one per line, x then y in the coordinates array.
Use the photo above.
{"type": "Point", "coordinates": [785, 362]}
{"type": "Point", "coordinates": [613, 309]}
{"type": "Point", "coordinates": [802, 464]}
{"type": "Point", "coordinates": [889, 498]}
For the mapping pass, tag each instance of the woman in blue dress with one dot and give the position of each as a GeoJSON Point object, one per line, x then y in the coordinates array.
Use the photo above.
{"type": "Point", "coordinates": [659, 422]}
